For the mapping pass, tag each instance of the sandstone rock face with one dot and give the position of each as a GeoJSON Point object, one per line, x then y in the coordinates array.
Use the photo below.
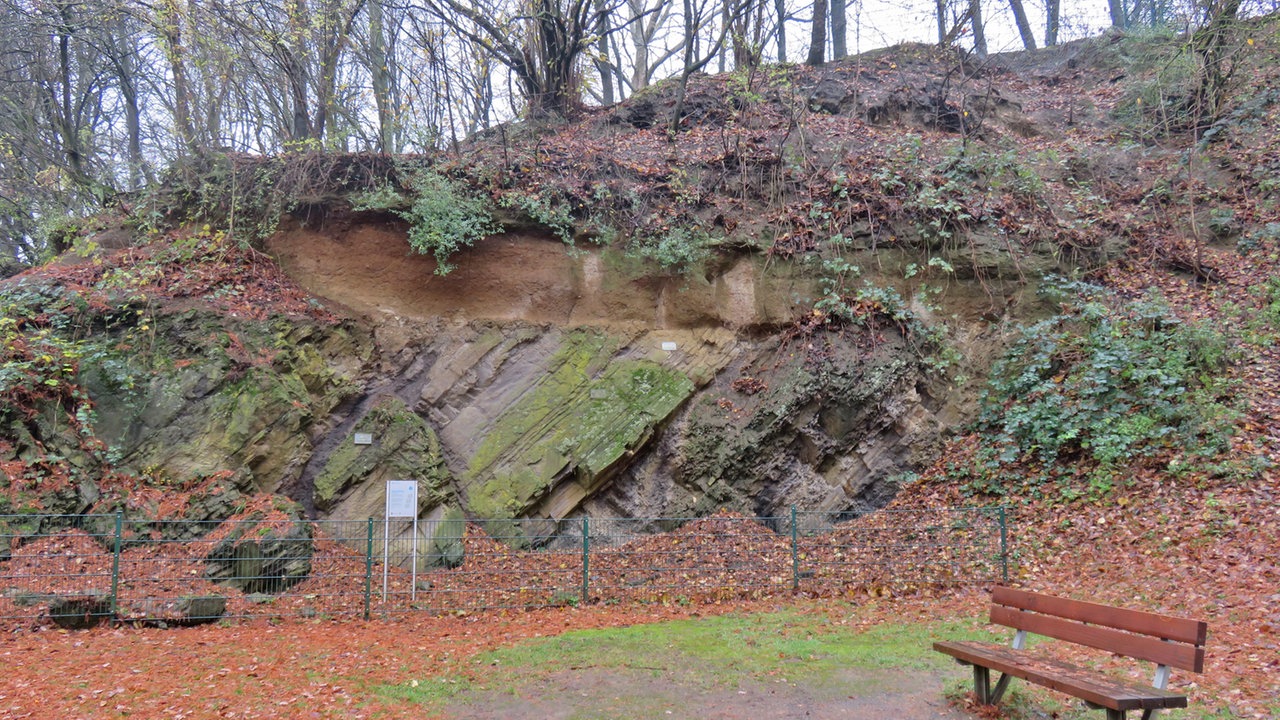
{"type": "Point", "coordinates": [570, 386]}
{"type": "Point", "coordinates": [536, 384]}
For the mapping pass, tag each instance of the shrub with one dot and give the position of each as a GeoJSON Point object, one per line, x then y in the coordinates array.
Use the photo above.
{"type": "Point", "coordinates": [442, 218]}
{"type": "Point", "coordinates": [678, 249]}
{"type": "Point", "coordinates": [1104, 381]}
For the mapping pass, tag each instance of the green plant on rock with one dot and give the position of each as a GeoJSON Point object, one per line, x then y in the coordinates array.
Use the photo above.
{"type": "Point", "coordinates": [1106, 381]}
{"type": "Point", "coordinates": [443, 218]}
{"type": "Point", "coordinates": [678, 249]}
{"type": "Point", "coordinates": [545, 208]}
{"type": "Point", "coordinates": [868, 303]}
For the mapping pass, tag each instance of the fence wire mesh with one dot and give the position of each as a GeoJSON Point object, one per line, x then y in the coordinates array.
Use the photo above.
{"type": "Point", "coordinates": [79, 570]}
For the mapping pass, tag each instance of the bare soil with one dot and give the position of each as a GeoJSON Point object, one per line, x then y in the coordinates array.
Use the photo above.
{"type": "Point", "coordinates": [662, 693]}
{"type": "Point", "coordinates": [371, 269]}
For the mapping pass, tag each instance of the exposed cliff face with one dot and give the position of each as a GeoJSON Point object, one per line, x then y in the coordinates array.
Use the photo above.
{"type": "Point", "coordinates": [542, 380]}
{"type": "Point", "coordinates": [538, 383]}
{"type": "Point", "coordinates": [575, 385]}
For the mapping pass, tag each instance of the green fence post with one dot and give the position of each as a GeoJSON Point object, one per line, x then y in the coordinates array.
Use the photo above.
{"type": "Point", "coordinates": [586, 560]}
{"type": "Point", "coordinates": [795, 552]}
{"type": "Point", "coordinates": [368, 568]}
{"type": "Point", "coordinates": [115, 566]}
{"type": "Point", "coordinates": [1004, 547]}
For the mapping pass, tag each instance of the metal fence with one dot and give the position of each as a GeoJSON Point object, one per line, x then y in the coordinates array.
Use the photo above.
{"type": "Point", "coordinates": [79, 570]}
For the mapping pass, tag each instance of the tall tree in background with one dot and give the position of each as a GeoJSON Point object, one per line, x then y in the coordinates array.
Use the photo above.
{"type": "Point", "coordinates": [60, 114]}
{"type": "Point", "coordinates": [382, 77]}
{"type": "Point", "coordinates": [818, 34]}
{"type": "Point", "coordinates": [698, 16]}
{"type": "Point", "coordinates": [1052, 21]}
{"type": "Point", "coordinates": [1119, 16]}
{"type": "Point", "coordinates": [648, 20]}
{"type": "Point", "coordinates": [1024, 26]}
{"type": "Point", "coordinates": [839, 29]}
{"type": "Point", "coordinates": [603, 66]}
{"type": "Point", "coordinates": [745, 20]}
{"type": "Point", "coordinates": [979, 30]}
{"type": "Point", "coordinates": [781, 16]}
{"type": "Point", "coordinates": [299, 48]}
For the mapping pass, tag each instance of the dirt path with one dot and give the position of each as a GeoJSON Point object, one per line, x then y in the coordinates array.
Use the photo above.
{"type": "Point", "coordinates": [636, 693]}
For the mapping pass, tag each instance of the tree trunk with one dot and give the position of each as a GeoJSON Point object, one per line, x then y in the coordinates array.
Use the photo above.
{"type": "Point", "coordinates": [380, 77]}
{"type": "Point", "coordinates": [1118, 18]}
{"type": "Point", "coordinates": [818, 35]}
{"type": "Point", "coordinates": [602, 52]}
{"type": "Point", "coordinates": [1024, 27]}
{"type": "Point", "coordinates": [169, 27]}
{"type": "Point", "coordinates": [979, 33]}
{"type": "Point", "coordinates": [639, 47]}
{"type": "Point", "coordinates": [839, 33]}
{"type": "Point", "coordinates": [941, 7]}
{"type": "Point", "coordinates": [1053, 17]}
{"type": "Point", "coordinates": [780, 7]}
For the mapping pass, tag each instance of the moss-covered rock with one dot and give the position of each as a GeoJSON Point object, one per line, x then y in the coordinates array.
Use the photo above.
{"type": "Point", "coordinates": [586, 414]}
{"type": "Point", "coordinates": [402, 447]}
{"type": "Point", "coordinates": [806, 427]}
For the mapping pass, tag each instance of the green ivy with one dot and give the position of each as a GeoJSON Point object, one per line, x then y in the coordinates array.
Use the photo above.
{"type": "Point", "coordinates": [1106, 380]}
{"type": "Point", "coordinates": [545, 207]}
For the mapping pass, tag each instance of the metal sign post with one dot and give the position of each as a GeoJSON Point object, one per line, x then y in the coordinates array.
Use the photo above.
{"type": "Point", "coordinates": [402, 502]}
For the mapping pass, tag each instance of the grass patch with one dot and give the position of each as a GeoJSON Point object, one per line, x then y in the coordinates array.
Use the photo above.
{"type": "Point", "coordinates": [725, 653]}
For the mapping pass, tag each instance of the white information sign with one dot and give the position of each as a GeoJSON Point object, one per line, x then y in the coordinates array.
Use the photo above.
{"type": "Point", "coordinates": [363, 439]}
{"type": "Point", "coordinates": [402, 502]}
{"type": "Point", "coordinates": [402, 498]}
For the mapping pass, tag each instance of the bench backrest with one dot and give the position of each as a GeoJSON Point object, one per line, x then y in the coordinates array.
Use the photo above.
{"type": "Point", "coordinates": [1161, 639]}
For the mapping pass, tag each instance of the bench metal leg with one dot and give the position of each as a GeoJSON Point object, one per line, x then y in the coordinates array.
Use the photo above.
{"type": "Point", "coordinates": [1115, 714]}
{"type": "Point", "coordinates": [998, 692]}
{"type": "Point", "coordinates": [982, 684]}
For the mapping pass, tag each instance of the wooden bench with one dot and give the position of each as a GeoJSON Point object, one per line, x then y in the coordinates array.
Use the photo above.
{"type": "Point", "coordinates": [1168, 642]}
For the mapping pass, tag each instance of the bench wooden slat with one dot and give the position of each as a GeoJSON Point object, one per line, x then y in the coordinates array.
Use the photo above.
{"type": "Point", "coordinates": [1085, 684]}
{"type": "Point", "coordinates": [1179, 655]}
{"type": "Point", "coordinates": [1168, 627]}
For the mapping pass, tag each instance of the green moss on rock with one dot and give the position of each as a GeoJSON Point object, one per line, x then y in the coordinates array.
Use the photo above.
{"type": "Point", "coordinates": [584, 416]}
{"type": "Point", "coordinates": [404, 448]}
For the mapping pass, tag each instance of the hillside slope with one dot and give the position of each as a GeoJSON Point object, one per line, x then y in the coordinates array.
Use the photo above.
{"type": "Point", "coordinates": [795, 294]}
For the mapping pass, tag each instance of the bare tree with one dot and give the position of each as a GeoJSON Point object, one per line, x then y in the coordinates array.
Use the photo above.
{"type": "Point", "coordinates": [781, 15]}
{"type": "Point", "coordinates": [818, 34]}
{"type": "Point", "coordinates": [979, 31]}
{"type": "Point", "coordinates": [1024, 26]}
{"type": "Point", "coordinates": [1052, 21]}
{"type": "Point", "coordinates": [381, 76]}
{"type": "Point", "coordinates": [648, 21]}
{"type": "Point", "coordinates": [839, 29]}
{"type": "Point", "coordinates": [542, 43]}
{"type": "Point", "coordinates": [697, 16]}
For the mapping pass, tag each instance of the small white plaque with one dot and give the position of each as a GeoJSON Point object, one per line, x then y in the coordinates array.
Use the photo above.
{"type": "Point", "coordinates": [364, 438]}
{"type": "Point", "coordinates": [402, 499]}
{"type": "Point", "coordinates": [669, 346]}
